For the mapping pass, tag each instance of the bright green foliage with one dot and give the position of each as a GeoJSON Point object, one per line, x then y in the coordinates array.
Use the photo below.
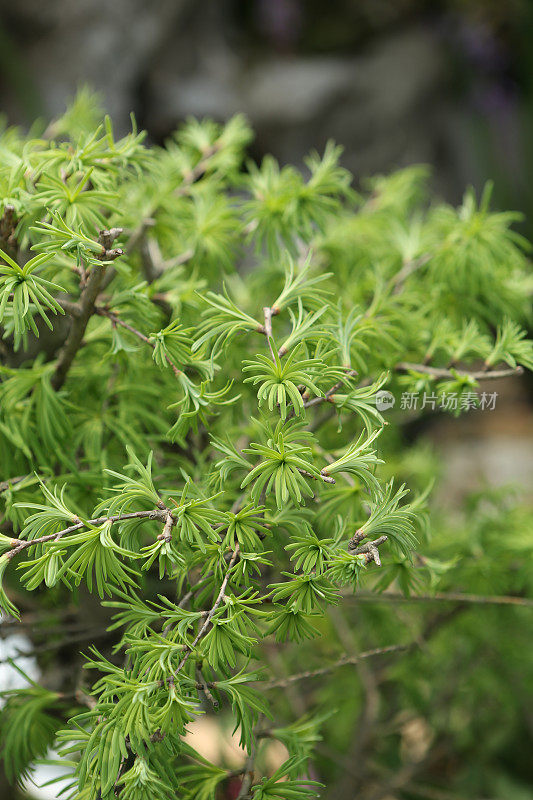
{"type": "Point", "coordinates": [282, 786]}
{"type": "Point", "coordinates": [197, 445]}
{"type": "Point", "coordinates": [279, 381]}
{"type": "Point", "coordinates": [24, 289]}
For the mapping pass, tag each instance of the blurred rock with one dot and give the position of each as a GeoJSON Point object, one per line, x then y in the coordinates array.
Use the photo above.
{"type": "Point", "coordinates": [375, 104]}
{"type": "Point", "coordinates": [60, 45]}
{"type": "Point", "coordinates": [175, 58]}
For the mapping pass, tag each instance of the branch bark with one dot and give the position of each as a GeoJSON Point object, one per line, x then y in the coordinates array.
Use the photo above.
{"type": "Point", "coordinates": [437, 372]}
{"type": "Point", "coordinates": [11, 482]}
{"type": "Point", "coordinates": [443, 597]}
{"type": "Point", "coordinates": [341, 662]}
{"type": "Point", "coordinates": [86, 308]}
{"type": "Point", "coordinates": [249, 772]}
{"type": "Point", "coordinates": [369, 549]}
{"type": "Point", "coordinates": [21, 544]}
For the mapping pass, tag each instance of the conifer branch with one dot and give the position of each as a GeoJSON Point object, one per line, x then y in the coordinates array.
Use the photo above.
{"type": "Point", "coordinates": [72, 308]}
{"type": "Point", "coordinates": [191, 176]}
{"type": "Point", "coordinates": [328, 396]}
{"type": "Point", "coordinates": [78, 327]}
{"type": "Point", "coordinates": [12, 482]}
{"type": "Point", "coordinates": [344, 660]}
{"type": "Point", "coordinates": [443, 597]}
{"type": "Point", "coordinates": [325, 478]}
{"type": "Point", "coordinates": [152, 259]}
{"type": "Point", "coordinates": [443, 374]}
{"type": "Point", "coordinates": [115, 320]}
{"type": "Point", "coordinates": [166, 535]}
{"type": "Point", "coordinates": [211, 612]}
{"type": "Point", "coordinates": [136, 236]}
{"type": "Point", "coordinates": [18, 545]}
{"type": "Point", "coordinates": [205, 687]}
{"type": "Point", "coordinates": [370, 549]}
{"type": "Point", "coordinates": [407, 269]}
{"type": "Point", "coordinates": [249, 773]}
{"type": "Point", "coordinates": [86, 307]}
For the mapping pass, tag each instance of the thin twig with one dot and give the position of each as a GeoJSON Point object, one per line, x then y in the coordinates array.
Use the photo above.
{"type": "Point", "coordinates": [190, 177]}
{"type": "Point", "coordinates": [153, 263]}
{"type": "Point", "coordinates": [408, 268]}
{"type": "Point", "coordinates": [369, 549]}
{"type": "Point", "coordinates": [115, 319]}
{"type": "Point", "coordinates": [206, 687]}
{"type": "Point", "coordinates": [364, 724]}
{"type": "Point", "coordinates": [21, 544]}
{"type": "Point", "coordinates": [166, 535]}
{"type": "Point", "coordinates": [438, 372]}
{"type": "Point", "coordinates": [327, 397]}
{"type": "Point", "coordinates": [11, 482]}
{"type": "Point", "coordinates": [267, 312]}
{"type": "Point", "coordinates": [325, 478]}
{"type": "Point", "coordinates": [248, 777]}
{"type": "Point", "coordinates": [341, 662]}
{"type": "Point", "coordinates": [92, 633]}
{"type": "Point", "coordinates": [72, 308]}
{"type": "Point", "coordinates": [211, 613]}
{"type": "Point", "coordinates": [443, 597]}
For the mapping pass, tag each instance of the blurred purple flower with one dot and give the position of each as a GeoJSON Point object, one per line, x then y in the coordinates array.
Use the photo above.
{"type": "Point", "coordinates": [280, 21]}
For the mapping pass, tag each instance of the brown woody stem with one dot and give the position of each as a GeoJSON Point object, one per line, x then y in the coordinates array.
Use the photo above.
{"type": "Point", "coordinates": [86, 308]}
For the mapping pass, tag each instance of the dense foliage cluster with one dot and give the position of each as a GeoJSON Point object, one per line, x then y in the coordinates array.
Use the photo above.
{"type": "Point", "coordinates": [192, 350]}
